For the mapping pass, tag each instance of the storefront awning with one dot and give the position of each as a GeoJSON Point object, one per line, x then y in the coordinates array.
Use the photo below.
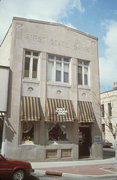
{"type": "Point", "coordinates": [85, 112]}
{"type": "Point", "coordinates": [30, 108]}
{"type": "Point", "coordinates": [59, 110]}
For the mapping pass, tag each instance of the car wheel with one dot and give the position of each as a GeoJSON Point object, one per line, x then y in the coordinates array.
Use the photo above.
{"type": "Point", "coordinates": [18, 175]}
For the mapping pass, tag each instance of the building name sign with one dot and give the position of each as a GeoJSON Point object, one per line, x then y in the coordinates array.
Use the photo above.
{"type": "Point", "coordinates": [76, 45]}
{"type": "Point", "coordinates": [61, 111]}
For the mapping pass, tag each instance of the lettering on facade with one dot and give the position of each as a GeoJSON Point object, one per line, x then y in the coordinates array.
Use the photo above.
{"type": "Point", "coordinates": [61, 111]}
{"type": "Point", "coordinates": [77, 45]}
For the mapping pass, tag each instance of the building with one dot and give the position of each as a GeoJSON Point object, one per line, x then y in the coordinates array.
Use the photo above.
{"type": "Point", "coordinates": [109, 114]}
{"type": "Point", "coordinates": [53, 103]}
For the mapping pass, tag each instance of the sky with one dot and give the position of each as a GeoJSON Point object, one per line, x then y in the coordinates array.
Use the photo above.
{"type": "Point", "coordinates": [95, 17]}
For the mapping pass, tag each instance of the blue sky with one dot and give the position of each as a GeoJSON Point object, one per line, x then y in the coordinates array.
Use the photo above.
{"type": "Point", "coordinates": [95, 17]}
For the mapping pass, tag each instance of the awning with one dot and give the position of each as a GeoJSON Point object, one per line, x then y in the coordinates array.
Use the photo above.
{"type": "Point", "coordinates": [59, 110]}
{"type": "Point", "coordinates": [30, 108]}
{"type": "Point", "coordinates": [85, 112]}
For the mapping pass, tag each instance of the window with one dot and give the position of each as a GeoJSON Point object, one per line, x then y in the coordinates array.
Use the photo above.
{"type": "Point", "coordinates": [109, 109]}
{"type": "Point", "coordinates": [27, 133]}
{"type": "Point", "coordinates": [57, 133]}
{"type": "Point", "coordinates": [103, 128]}
{"type": "Point", "coordinates": [83, 73]}
{"type": "Point", "coordinates": [31, 64]}
{"type": "Point", "coordinates": [102, 110]}
{"type": "Point", "coordinates": [58, 69]}
{"type": "Point", "coordinates": [110, 126]}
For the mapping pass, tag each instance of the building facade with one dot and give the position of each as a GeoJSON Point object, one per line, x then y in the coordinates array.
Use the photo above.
{"type": "Point", "coordinates": [53, 105]}
{"type": "Point", "coordinates": [109, 114]}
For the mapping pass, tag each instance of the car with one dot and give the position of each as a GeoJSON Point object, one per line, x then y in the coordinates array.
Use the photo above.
{"type": "Point", "coordinates": [14, 169]}
{"type": "Point", "coordinates": [107, 144]}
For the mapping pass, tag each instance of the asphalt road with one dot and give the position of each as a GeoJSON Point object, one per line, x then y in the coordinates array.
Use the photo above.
{"type": "Point", "coordinates": [72, 178]}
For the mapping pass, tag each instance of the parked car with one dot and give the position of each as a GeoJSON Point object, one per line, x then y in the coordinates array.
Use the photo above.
{"type": "Point", "coordinates": [14, 169]}
{"type": "Point", "coordinates": [107, 144]}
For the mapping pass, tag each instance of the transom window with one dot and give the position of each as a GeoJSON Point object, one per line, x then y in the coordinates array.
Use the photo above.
{"type": "Point", "coordinates": [58, 69]}
{"type": "Point", "coordinates": [83, 72]}
{"type": "Point", "coordinates": [31, 64]}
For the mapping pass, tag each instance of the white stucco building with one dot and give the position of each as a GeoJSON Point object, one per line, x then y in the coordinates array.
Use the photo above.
{"type": "Point", "coordinates": [109, 113]}
{"type": "Point", "coordinates": [53, 104]}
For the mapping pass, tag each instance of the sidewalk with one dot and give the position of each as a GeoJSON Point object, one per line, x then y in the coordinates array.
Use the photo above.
{"type": "Point", "coordinates": [95, 168]}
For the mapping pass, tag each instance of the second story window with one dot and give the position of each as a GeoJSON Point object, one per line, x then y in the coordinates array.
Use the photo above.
{"type": "Point", "coordinates": [83, 72]}
{"type": "Point", "coordinates": [102, 110]}
{"type": "Point", "coordinates": [109, 109]}
{"type": "Point", "coordinates": [58, 69]}
{"type": "Point", "coordinates": [31, 64]}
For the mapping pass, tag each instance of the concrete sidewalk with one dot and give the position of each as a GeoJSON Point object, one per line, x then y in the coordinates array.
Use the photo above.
{"type": "Point", "coordinates": [87, 167]}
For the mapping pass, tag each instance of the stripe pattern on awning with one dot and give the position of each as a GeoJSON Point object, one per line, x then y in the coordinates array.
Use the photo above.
{"type": "Point", "coordinates": [30, 108]}
{"type": "Point", "coordinates": [85, 112]}
{"type": "Point", "coordinates": [59, 110]}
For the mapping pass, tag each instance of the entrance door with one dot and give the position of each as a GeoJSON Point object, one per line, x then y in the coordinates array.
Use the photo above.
{"type": "Point", "coordinates": [84, 141]}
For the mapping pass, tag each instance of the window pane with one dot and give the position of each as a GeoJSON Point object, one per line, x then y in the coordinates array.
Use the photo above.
{"type": "Point", "coordinates": [57, 134]}
{"type": "Point", "coordinates": [35, 53]}
{"type": "Point", "coordinates": [27, 66]}
{"type": "Point", "coordinates": [79, 75]}
{"type": "Point", "coordinates": [66, 72]}
{"type": "Point", "coordinates": [27, 52]}
{"type": "Point", "coordinates": [86, 63]}
{"type": "Point", "coordinates": [50, 71]}
{"type": "Point", "coordinates": [85, 76]}
{"type": "Point", "coordinates": [66, 59]}
{"type": "Point", "coordinates": [27, 132]}
{"type": "Point", "coordinates": [58, 58]}
{"type": "Point", "coordinates": [58, 71]}
{"type": "Point", "coordinates": [109, 109]}
{"type": "Point", "coordinates": [50, 57]}
{"type": "Point", "coordinates": [34, 73]}
{"type": "Point", "coordinates": [102, 110]}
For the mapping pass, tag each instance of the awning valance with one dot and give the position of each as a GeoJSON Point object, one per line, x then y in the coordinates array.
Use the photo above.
{"type": "Point", "coordinates": [59, 110]}
{"type": "Point", "coordinates": [85, 112]}
{"type": "Point", "coordinates": [30, 108]}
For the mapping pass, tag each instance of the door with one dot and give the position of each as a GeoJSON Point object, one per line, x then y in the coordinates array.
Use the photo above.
{"type": "Point", "coordinates": [84, 141]}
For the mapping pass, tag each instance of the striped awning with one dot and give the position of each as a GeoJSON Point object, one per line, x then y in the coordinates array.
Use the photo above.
{"type": "Point", "coordinates": [59, 110]}
{"type": "Point", "coordinates": [85, 112]}
{"type": "Point", "coordinates": [30, 108]}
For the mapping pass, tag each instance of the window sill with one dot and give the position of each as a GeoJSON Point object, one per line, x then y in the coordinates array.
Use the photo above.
{"type": "Point", "coordinates": [26, 80]}
{"type": "Point", "coordinates": [84, 87]}
{"type": "Point", "coordinates": [59, 84]}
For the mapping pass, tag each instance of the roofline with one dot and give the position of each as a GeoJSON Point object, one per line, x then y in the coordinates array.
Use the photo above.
{"type": "Point", "coordinates": [54, 24]}
{"type": "Point", "coordinates": [108, 91]}
{"type": "Point", "coordinates": [5, 35]}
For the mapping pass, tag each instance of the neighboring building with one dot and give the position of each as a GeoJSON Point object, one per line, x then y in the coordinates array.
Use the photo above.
{"type": "Point", "coordinates": [4, 79]}
{"type": "Point", "coordinates": [109, 114]}
{"type": "Point", "coordinates": [53, 105]}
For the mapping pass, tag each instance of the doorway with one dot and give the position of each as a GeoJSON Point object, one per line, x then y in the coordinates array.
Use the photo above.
{"type": "Point", "coordinates": [84, 142]}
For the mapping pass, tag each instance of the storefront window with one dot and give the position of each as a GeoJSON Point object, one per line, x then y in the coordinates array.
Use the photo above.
{"type": "Point", "coordinates": [58, 133]}
{"type": "Point", "coordinates": [28, 132]}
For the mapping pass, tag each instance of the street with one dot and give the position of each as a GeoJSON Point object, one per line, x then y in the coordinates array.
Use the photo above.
{"type": "Point", "coordinates": [72, 178]}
